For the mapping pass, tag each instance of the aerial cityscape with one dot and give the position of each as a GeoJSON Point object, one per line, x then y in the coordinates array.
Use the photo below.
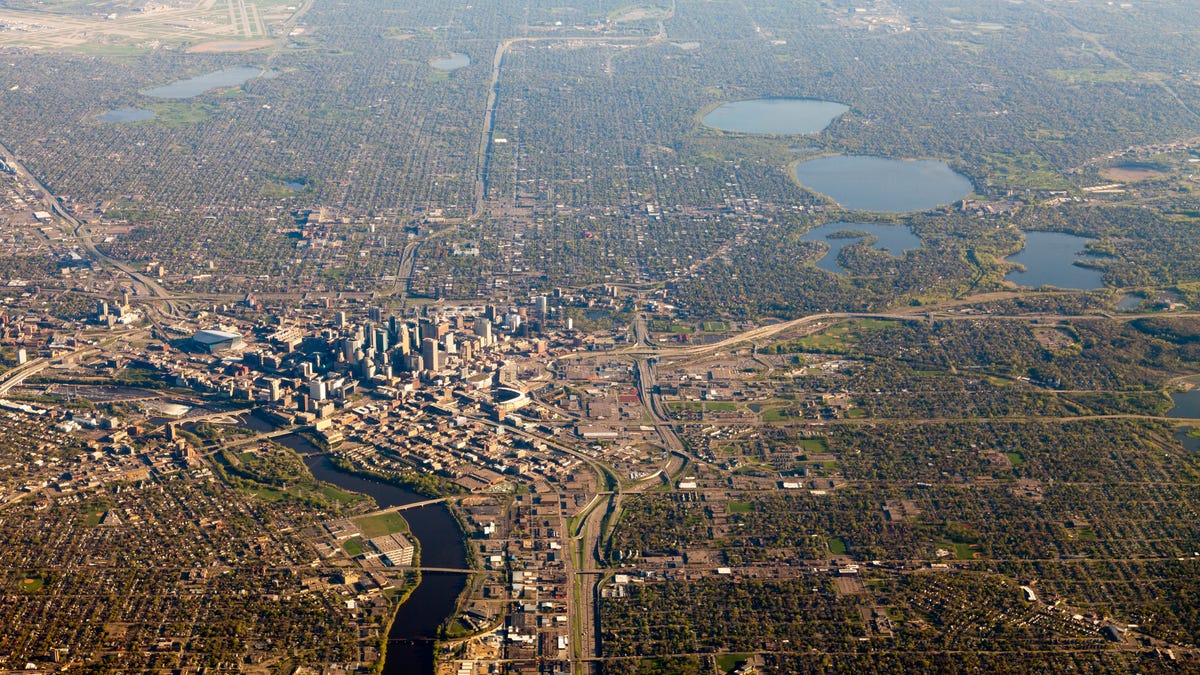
{"type": "Point", "coordinates": [595, 338]}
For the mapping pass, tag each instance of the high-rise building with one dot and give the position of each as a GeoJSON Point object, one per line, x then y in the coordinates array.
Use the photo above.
{"type": "Point", "coordinates": [483, 328]}
{"type": "Point", "coordinates": [430, 354]}
{"type": "Point", "coordinates": [405, 341]}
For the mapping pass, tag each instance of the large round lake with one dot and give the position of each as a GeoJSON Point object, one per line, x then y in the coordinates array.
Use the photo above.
{"type": "Point", "coordinates": [229, 77]}
{"type": "Point", "coordinates": [1049, 260]}
{"type": "Point", "coordinates": [775, 116]}
{"type": "Point", "coordinates": [884, 185]}
{"type": "Point", "coordinates": [892, 239]}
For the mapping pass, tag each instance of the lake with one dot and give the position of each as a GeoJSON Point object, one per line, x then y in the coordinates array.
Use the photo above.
{"type": "Point", "coordinates": [1130, 301]}
{"type": "Point", "coordinates": [1188, 441]}
{"type": "Point", "coordinates": [775, 116]}
{"type": "Point", "coordinates": [878, 184]}
{"type": "Point", "coordinates": [894, 239]}
{"type": "Point", "coordinates": [127, 115]}
{"type": "Point", "coordinates": [455, 61]}
{"type": "Point", "coordinates": [1049, 258]}
{"type": "Point", "coordinates": [229, 77]}
{"type": "Point", "coordinates": [1187, 404]}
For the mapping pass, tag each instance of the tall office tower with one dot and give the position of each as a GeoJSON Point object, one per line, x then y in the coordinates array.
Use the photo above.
{"type": "Point", "coordinates": [414, 363]}
{"type": "Point", "coordinates": [430, 354]}
{"type": "Point", "coordinates": [404, 342]}
{"type": "Point", "coordinates": [483, 328]}
{"type": "Point", "coordinates": [448, 341]}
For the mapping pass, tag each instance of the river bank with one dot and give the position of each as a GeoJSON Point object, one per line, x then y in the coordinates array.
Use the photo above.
{"type": "Point", "coordinates": [414, 627]}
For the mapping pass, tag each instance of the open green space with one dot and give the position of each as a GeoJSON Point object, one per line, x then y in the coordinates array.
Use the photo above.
{"type": "Point", "coordinates": [720, 406]}
{"type": "Point", "coordinates": [814, 445]}
{"type": "Point", "coordinates": [384, 523]}
{"type": "Point", "coordinates": [837, 339]}
{"type": "Point", "coordinates": [727, 662]}
{"type": "Point", "coordinates": [353, 546]}
{"type": "Point", "coordinates": [32, 584]}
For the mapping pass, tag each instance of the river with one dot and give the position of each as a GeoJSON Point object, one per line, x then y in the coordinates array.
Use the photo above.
{"type": "Point", "coordinates": [415, 626]}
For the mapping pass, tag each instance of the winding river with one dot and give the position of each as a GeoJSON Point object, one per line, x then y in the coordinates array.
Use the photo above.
{"type": "Point", "coordinates": [415, 626]}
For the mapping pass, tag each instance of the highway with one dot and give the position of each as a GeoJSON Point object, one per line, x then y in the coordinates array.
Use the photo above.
{"type": "Point", "coordinates": [79, 235]}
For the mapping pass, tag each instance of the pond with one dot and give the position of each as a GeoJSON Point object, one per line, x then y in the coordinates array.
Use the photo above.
{"type": "Point", "coordinates": [1049, 260]}
{"type": "Point", "coordinates": [775, 116]}
{"type": "Point", "coordinates": [455, 61]}
{"type": "Point", "coordinates": [1187, 404]}
{"type": "Point", "coordinates": [192, 87]}
{"type": "Point", "coordinates": [1189, 442]}
{"type": "Point", "coordinates": [127, 115]}
{"type": "Point", "coordinates": [878, 184]}
{"type": "Point", "coordinates": [893, 239]}
{"type": "Point", "coordinates": [1130, 301]}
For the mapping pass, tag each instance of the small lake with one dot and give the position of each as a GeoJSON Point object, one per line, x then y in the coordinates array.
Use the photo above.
{"type": "Point", "coordinates": [1049, 260]}
{"type": "Point", "coordinates": [127, 115]}
{"type": "Point", "coordinates": [455, 61]}
{"type": "Point", "coordinates": [1130, 301]}
{"type": "Point", "coordinates": [878, 184]}
{"type": "Point", "coordinates": [775, 116]}
{"type": "Point", "coordinates": [1187, 404]}
{"type": "Point", "coordinates": [229, 77]}
{"type": "Point", "coordinates": [893, 239]}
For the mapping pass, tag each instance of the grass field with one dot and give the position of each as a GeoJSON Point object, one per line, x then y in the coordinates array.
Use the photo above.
{"type": "Point", "coordinates": [838, 339]}
{"type": "Point", "coordinates": [727, 662]}
{"type": "Point", "coordinates": [775, 414]}
{"type": "Point", "coordinates": [815, 445]}
{"type": "Point", "coordinates": [377, 526]}
{"type": "Point", "coordinates": [836, 545]}
{"type": "Point", "coordinates": [32, 584]}
{"type": "Point", "coordinates": [353, 546]}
